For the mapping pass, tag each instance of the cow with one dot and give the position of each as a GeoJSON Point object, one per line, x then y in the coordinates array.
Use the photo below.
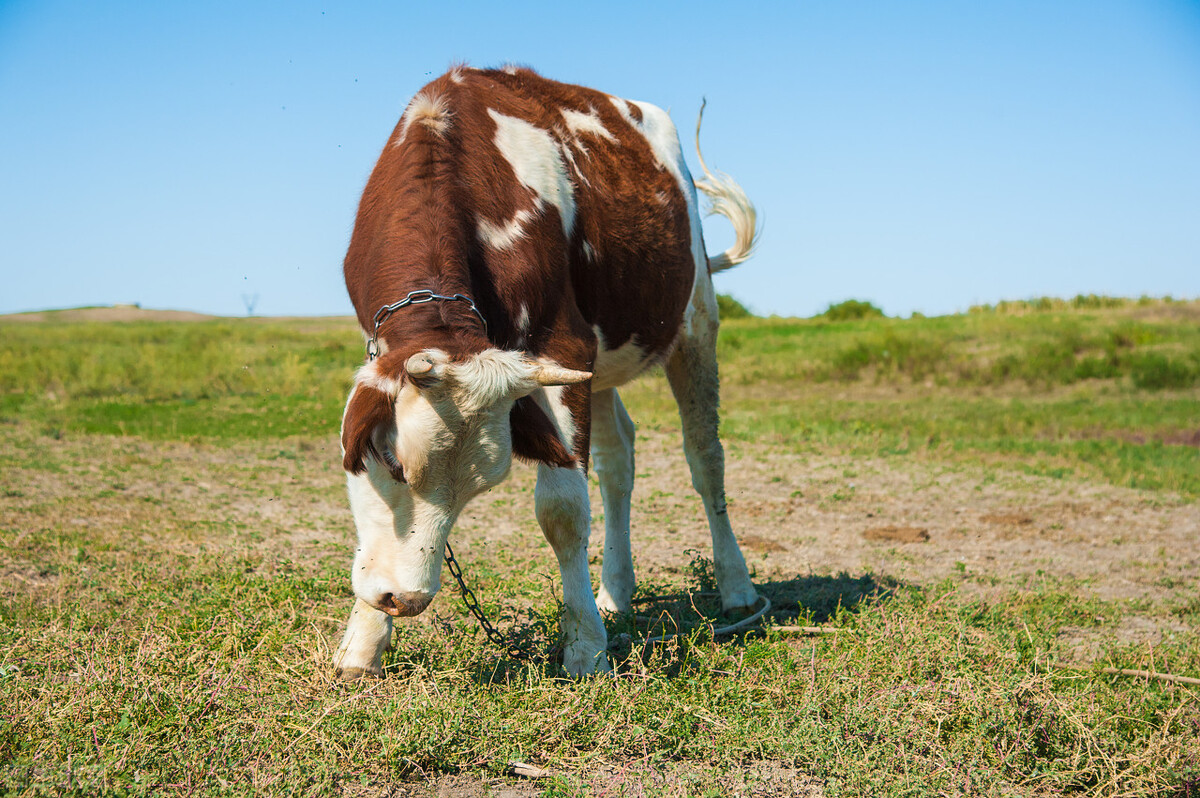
{"type": "Point", "coordinates": [524, 247]}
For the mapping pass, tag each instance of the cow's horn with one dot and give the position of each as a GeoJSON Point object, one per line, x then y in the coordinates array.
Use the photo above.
{"type": "Point", "coordinates": [419, 364]}
{"type": "Point", "coordinates": [547, 375]}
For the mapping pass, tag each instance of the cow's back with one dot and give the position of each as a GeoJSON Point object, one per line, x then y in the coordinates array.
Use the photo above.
{"type": "Point", "coordinates": [575, 208]}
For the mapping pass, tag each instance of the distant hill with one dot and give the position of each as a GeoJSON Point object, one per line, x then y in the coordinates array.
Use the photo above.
{"type": "Point", "coordinates": [102, 313]}
{"type": "Point", "coordinates": [108, 313]}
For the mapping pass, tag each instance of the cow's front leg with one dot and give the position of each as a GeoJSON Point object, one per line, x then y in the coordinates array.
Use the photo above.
{"type": "Point", "coordinates": [563, 511]}
{"type": "Point", "coordinates": [368, 634]}
{"type": "Point", "coordinates": [612, 456]}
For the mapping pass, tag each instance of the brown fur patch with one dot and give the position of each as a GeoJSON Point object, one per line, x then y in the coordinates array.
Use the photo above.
{"type": "Point", "coordinates": [534, 438]}
{"type": "Point", "coordinates": [366, 413]}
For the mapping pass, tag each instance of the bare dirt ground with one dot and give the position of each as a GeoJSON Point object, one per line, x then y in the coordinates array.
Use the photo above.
{"type": "Point", "coordinates": [920, 522]}
{"type": "Point", "coordinates": [900, 519]}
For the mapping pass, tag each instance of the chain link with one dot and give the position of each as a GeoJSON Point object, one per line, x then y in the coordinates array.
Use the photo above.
{"type": "Point", "coordinates": [526, 651]}
{"type": "Point", "coordinates": [468, 596]}
{"type": "Point", "coordinates": [418, 297]}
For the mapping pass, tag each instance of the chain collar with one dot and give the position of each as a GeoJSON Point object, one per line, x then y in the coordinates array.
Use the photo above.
{"type": "Point", "coordinates": [418, 297]}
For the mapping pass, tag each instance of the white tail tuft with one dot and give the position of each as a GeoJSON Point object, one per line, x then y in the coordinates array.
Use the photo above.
{"type": "Point", "coordinates": [728, 199]}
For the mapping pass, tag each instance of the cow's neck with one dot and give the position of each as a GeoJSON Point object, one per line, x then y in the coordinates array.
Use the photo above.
{"type": "Point", "coordinates": [434, 257]}
{"type": "Point", "coordinates": [428, 323]}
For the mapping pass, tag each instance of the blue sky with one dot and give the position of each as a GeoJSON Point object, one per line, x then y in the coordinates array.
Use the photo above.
{"type": "Point", "coordinates": [925, 156]}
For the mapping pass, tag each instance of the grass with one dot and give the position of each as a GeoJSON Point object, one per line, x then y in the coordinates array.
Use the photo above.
{"type": "Point", "coordinates": [174, 541]}
{"type": "Point", "coordinates": [1102, 391]}
{"type": "Point", "coordinates": [218, 679]}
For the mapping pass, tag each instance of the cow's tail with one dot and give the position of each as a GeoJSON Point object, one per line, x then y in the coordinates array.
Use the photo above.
{"type": "Point", "coordinates": [728, 199]}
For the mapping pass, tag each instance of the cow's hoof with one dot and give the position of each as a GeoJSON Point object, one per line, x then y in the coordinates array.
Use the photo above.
{"type": "Point", "coordinates": [738, 613]}
{"type": "Point", "coordinates": [610, 605]}
{"type": "Point", "coordinates": [578, 664]}
{"type": "Point", "coordinates": [350, 674]}
{"type": "Point", "coordinates": [611, 609]}
{"type": "Point", "coordinates": [741, 602]}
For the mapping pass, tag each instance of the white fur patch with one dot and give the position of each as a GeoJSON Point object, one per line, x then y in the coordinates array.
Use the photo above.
{"type": "Point", "coordinates": [369, 376]}
{"type": "Point", "coordinates": [432, 111]}
{"type": "Point", "coordinates": [659, 131]}
{"type": "Point", "coordinates": [589, 252]}
{"type": "Point", "coordinates": [502, 237]}
{"type": "Point", "coordinates": [551, 401]}
{"type": "Point", "coordinates": [623, 108]}
{"type": "Point", "coordinates": [538, 164]}
{"type": "Point", "coordinates": [490, 377]}
{"type": "Point", "coordinates": [618, 366]}
{"type": "Point", "coordinates": [523, 319]}
{"type": "Point", "coordinates": [580, 123]}
{"type": "Point", "coordinates": [568, 155]}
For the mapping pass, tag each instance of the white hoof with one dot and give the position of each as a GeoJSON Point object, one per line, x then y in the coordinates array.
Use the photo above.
{"type": "Point", "coordinates": [581, 660]}
{"type": "Point", "coordinates": [742, 597]}
{"type": "Point", "coordinates": [355, 674]}
{"type": "Point", "coordinates": [605, 602]}
{"type": "Point", "coordinates": [368, 635]}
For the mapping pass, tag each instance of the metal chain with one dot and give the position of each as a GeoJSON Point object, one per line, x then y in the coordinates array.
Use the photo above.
{"type": "Point", "coordinates": [525, 651]}
{"type": "Point", "coordinates": [418, 297]}
{"type": "Point", "coordinates": [468, 597]}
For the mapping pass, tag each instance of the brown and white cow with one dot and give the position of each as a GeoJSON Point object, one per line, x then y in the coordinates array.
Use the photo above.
{"type": "Point", "coordinates": [559, 228]}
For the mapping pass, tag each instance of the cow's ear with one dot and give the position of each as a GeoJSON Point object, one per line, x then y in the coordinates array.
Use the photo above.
{"type": "Point", "coordinates": [534, 438]}
{"type": "Point", "coordinates": [368, 415]}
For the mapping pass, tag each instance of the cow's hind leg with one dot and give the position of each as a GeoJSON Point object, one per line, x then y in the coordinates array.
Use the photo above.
{"type": "Point", "coordinates": [612, 457]}
{"type": "Point", "coordinates": [692, 371]}
{"type": "Point", "coordinates": [368, 634]}
{"type": "Point", "coordinates": [561, 502]}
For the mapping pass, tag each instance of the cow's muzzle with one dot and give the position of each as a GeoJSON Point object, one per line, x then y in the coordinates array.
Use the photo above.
{"type": "Point", "coordinates": [402, 605]}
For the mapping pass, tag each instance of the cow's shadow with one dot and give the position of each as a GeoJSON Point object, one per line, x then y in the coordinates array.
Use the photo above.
{"type": "Point", "coordinates": [685, 619]}
{"type": "Point", "coordinates": [818, 599]}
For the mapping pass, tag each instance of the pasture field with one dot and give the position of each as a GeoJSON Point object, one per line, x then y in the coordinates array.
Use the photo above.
{"type": "Point", "coordinates": [986, 514]}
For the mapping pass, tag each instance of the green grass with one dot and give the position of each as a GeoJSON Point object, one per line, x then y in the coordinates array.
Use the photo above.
{"type": "Point", "coordinates": [228, 379]}
{"type": "Point", "coordinates": [211, 671]}
{"type": "Point", "coordinates": [155, 361]}
{"type": "Point", "coordinates": [1008, 389]}
{"type": "Point", "coordinates": [1131, 347]}
{"type": "Point", "coordinates": [1108, 392]}
{"type": "Point", "coordinates": [174, 544]}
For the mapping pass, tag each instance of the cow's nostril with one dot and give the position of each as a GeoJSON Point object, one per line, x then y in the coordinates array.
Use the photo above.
{"type": "Point", "coordinates": [402, 605]}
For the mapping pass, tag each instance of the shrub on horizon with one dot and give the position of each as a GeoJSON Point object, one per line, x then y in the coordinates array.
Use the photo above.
{"type": "Point", "coordinates": [730, 308]}
{"type": "Point", "coordinates": [1043, 304]}
{"type": "Point", "coordinates": [852, 309]}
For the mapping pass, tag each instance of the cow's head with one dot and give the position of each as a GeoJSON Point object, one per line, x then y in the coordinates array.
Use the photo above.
{"type": "Point", "coordinates": [418, 447]}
